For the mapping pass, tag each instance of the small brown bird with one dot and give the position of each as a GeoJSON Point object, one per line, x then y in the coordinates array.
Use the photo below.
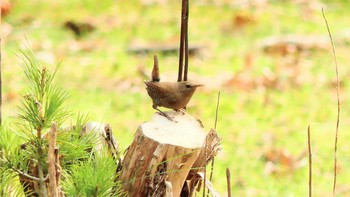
{"type": "Point", "coordinates": [172, 95]}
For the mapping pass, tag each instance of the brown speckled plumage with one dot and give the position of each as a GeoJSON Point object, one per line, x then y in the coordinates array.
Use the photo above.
{"type": "Point", "coordinates": [172, 95]}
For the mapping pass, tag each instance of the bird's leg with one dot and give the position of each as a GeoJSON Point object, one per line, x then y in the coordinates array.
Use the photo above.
{"type": "Point", "coordinates": [162, 113]}
{"type": "Point", "coordinates": [183, 111]}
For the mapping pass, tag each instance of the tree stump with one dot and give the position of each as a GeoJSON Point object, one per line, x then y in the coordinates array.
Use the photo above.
{"type": "Point", "coordinates": [162, 154]}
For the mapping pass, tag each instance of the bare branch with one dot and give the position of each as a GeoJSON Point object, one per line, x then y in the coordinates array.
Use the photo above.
{"type": "Point", "coordinates": [182, 36]}
{"type": "Point", "coordinates": [205, 169]}
{"type": "Point", "coordinates": [216, 120]}
{"type": "Point", "coordinates": [183, 51]}
{"type": "Point", "coordinates": [25, 174]}
{"type": "Point", "coordinates": [338, 102]}
{"type": "Point", "coordinates": [186, 40]}
{"type": "Point", "coordinates": [228, 179]}
{"type": "Point", "coordinates": [310, 161]}
{"type": "Point", "coordinates": [217, 110]}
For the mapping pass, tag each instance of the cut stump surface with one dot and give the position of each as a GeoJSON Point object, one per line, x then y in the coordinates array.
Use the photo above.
{"type": "Point", "coordinates": [162, 154]}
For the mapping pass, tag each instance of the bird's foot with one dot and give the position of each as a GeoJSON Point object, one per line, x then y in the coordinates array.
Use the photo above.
{"type": "Point", "coordinates": [166, 115]}
{"type": "Point", "coordinates": [182, 111]}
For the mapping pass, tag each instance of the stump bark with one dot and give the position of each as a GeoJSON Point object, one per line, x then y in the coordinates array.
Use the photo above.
{"type": "Point", "coordinates": [162, 154]}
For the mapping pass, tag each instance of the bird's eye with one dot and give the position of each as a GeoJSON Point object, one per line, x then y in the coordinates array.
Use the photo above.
{"type": "Point", "coordinates": [188, 86]}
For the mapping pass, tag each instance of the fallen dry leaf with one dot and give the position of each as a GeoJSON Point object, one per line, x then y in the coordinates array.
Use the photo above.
{"type": "Point", "coordinates": [5, 7]}
{"type": "Point", "coordinates": [243, 19]}
{"type": "Point", "coordinates": [280, 161]}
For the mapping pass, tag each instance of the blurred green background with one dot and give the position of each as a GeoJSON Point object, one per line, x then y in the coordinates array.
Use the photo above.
{"type": "Point", "coordinates": [271, 60]}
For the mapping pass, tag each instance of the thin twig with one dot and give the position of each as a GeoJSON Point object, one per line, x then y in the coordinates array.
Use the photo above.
{"type": "Point", "coordinates": [47, 177]}
{"type": "Point", "coordinates": [215, 123]}
{"type": "Point", "coordinates": [186, 40]}
{"type": "Point", "coordinates": [338, 102]}
{"type": "Point", "coordinates": [205, 170]}
{"type": "Point", "coordinates": [217, 110]}
{"type": "Point", "coordinates": [310, 160]}
{"type": "Point", "coordinates": [26, 175]}
{"type": "Point", "coordinates": [29, 176]}
{"type": "Point", "coordinates": [228, 179]}
{"type": "Point", "coordinates": [182, 36]}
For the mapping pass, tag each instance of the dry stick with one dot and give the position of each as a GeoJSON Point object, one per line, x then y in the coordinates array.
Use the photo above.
{"type": "Point", "coordinates": [186, 40]}
{"type": "Point", "coordinates": [217, 110]}
{"type": "Point", "coordinates": [216, 120]}
{"type": "Point", "coordinates": [228, 178]}
{"type": "Point", "coordinates": [52, 161]}
{"type": "Point", "coordinates": [205, 170]}
{"type": "Point", "coordinates": [29, 176]}
{"type": "Point", "coordinates": [182, 36]}
{"type": "Point", "coordinates": [58, 171]}
{"type": "Point", "coordinates": [338, 102]}
{"type": "Point", "coordinates": [310, 161]}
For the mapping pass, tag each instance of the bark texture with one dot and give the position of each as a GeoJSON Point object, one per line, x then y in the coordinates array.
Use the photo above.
{"type": "Point", "coordinates": [162, 155]}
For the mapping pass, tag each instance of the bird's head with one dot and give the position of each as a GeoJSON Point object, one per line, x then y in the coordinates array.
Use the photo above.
{"type": "Point", "coordinates": [188, 87]}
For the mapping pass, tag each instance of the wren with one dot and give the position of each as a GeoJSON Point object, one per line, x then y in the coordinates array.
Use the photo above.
{"type": "Point", "coordinates": [172, 95]}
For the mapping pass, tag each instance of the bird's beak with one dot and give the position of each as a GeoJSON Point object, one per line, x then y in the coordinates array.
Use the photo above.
{"type": "Point", "coordinates": [198, 85]}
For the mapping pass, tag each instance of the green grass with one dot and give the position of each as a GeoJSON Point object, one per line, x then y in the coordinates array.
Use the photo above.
{"type": "Point", "coordinates": [104, 80]}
